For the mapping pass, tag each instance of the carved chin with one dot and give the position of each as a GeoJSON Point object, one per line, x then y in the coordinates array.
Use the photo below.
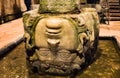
{"type": "Point", "coordinates": [61, 62]}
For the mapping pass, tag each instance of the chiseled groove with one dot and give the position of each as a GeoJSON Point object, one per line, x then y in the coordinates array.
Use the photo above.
{"type": "Point", "coordinates": [53, 31]}
{"type": "Point", "coordinates": [55, 27]}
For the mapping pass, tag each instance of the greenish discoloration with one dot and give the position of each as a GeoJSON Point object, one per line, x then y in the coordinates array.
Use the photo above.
{"type": "Point", "coordinates": [59, 43]}
{"type": "Point", "coordinates": [106, 65]}
{"type": "Point", "coordinates": [58, 6]}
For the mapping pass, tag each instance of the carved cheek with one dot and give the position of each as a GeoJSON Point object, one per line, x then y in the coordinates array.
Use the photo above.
{"type": "Point", "coordinates": [53, 32]}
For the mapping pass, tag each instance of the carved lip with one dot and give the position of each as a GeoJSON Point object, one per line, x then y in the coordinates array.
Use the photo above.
{"type": "Point", "coordinates": [53, 27]}
{"type": "Point", "coordinates": [53, 31]}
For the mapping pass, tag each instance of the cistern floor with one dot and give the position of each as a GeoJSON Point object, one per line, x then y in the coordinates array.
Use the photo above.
{"type": "Point", "coordinates": [12, 32]}
{"type": "Point", "coordinates": [13, 65]}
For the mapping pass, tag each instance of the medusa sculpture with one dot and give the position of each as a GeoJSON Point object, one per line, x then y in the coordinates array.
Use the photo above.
{"type": "Point", "coordinates": [60, 36]}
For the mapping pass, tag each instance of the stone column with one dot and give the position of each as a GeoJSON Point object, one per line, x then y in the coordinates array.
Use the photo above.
{"type": "Point", "coordinates": [10, 9]}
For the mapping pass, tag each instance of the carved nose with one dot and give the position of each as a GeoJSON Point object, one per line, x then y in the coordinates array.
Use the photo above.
{"type": "Point", "coordinates": [53, 44]}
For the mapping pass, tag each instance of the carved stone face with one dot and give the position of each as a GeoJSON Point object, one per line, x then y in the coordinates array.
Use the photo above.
{"type": "Point", "coordinates": [57, 43]}
{"type": "Point", "coordinates": [56, 50]}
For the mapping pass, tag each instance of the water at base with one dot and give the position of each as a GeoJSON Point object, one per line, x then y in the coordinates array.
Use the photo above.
{"type": "Point", "coordinates": [106, 65]}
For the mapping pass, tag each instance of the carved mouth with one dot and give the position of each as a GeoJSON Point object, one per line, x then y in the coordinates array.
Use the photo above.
{"type": "Point", "coordinates": [53, 32]}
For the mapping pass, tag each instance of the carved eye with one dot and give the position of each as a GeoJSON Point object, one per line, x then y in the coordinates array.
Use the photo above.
{"type": "Point", "coordinates": [44, 52]}
{"type": "Point", "coordinates": [64, 54]}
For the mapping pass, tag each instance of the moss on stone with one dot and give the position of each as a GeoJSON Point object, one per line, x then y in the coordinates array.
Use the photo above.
{"type": "Point", "coordinates": [58, 6]}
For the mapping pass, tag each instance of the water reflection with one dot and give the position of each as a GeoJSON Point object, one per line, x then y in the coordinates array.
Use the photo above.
{"type": "Point", "coordinates": [106, 65]}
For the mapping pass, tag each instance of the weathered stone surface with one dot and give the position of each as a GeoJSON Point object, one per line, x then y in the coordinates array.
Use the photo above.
{"type": "Point", "coordinates": [58, 6]}
{"type": "Point", "coordinates": [60, 43]}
